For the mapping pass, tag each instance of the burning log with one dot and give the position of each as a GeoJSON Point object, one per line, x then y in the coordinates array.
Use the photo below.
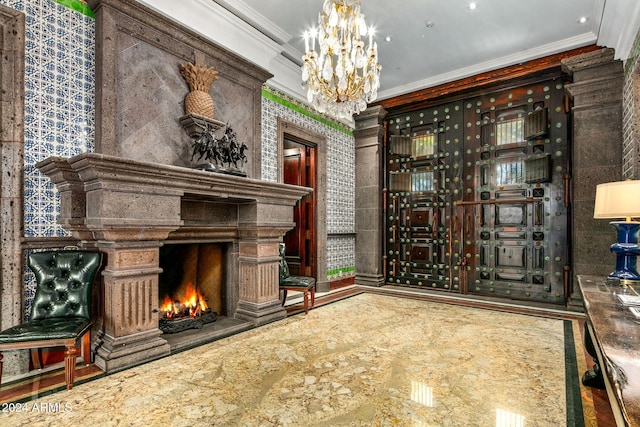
{"type": "Point", "coordinates": [171, 325]}
{"type": "Point", "coordinates": [190, 312]}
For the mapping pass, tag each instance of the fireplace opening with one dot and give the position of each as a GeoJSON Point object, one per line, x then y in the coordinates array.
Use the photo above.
{"type": "Point", "coordinates": [190, 288]}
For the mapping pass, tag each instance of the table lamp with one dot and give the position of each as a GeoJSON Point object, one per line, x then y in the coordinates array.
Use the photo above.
{"type": "Point", "coordinates": [617, 200]}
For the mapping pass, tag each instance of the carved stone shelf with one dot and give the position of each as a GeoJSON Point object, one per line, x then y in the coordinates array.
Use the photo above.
{"type": "Point", "coordinates": [194, 124]}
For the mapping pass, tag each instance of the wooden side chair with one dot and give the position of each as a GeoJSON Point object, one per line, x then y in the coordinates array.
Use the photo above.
{"type": "Point", "coordinates": [60, 314]}
{"type": "Point", "coordinates": [304, 284]}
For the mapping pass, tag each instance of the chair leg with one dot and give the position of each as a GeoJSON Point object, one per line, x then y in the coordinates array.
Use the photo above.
{"type": "Point", "coordinates": [36, 358]}
{"type": "Point", "coordinates": [313, 296]}
{"type": "Point", "coordinates": [306, 301]}
{"type": "Point", "coordinates": [284, 296]}
{"type": "Point", "coordinates": [85, 348]}
{"type": "Point", "coordinates": [1, 363]}
{"type": "Point", "coordinates": [70, 366]}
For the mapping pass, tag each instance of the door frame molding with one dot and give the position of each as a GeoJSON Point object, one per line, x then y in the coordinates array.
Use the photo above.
{"type": "Point", "coordinates": [309, 137]}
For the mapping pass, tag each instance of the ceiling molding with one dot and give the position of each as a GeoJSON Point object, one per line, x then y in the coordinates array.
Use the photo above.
{"type": "Point", "coordinates": [619, 27]}
{"type": "Point", "coordinates": [546, 65]}
{"type": "Point", "coordinates": [222, 27]}
{"type": "Point", "coordinates": [286, 78]}
{"type": "Point", "coordinates": [505, 61]}
{"type": "Point", "coordinates": [256, 20]}
{"type": "Point", "coordinates": [238, 26]}
{"type": "Point", "coordinates": [292, 54]}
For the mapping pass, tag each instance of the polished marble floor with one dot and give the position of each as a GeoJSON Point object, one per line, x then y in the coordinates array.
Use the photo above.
{"type": "Point", "coordinates": [367, 360]}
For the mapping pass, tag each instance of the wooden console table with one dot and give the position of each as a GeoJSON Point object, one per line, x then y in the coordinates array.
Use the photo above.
{"type": "Point", "coordinates": [615, 335]}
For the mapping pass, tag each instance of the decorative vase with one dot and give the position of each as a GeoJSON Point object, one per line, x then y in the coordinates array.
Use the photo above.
{"type": "Point", "coordinates": [199, 78]}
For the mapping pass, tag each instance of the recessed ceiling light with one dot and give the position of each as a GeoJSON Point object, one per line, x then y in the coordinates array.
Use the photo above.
{"type": "Point", "coordinates": [473, 5]}
{"type": "Point", "coordinates": [583, 19]}
{"type": "Point", "coordinates": [388, 38]}
{"type": "Point", "coordinates": [429, 24]}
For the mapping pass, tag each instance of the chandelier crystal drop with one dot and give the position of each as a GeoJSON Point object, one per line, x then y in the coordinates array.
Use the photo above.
{"type": "Point", "coordinates": [344, 75]}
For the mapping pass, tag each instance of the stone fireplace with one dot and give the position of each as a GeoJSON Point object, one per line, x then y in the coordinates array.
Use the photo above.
{"type": "Point", "coordinates": [129, 209]}
{"type": "Point", "coordinates": [138, 192]}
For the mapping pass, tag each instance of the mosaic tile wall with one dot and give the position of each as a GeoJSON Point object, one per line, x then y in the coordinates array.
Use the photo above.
{"type": "Point", "coordinates": [340, 174]}
{"type": "Point", "coordinates": [59, 101]}
{"type": "Point", "coordinates": [59, 106]}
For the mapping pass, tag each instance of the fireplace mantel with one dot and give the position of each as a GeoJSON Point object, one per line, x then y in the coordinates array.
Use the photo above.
{"type": "Point", "coordinates": [107, 197]}
{"type": "Point", "coordinates": [127, 209]}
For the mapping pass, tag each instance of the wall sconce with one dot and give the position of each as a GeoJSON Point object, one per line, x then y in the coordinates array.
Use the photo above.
{"type": "Point", "coordinates": [617, 200]}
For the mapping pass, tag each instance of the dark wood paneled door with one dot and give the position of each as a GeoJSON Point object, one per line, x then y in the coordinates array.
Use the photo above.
{"type": "Point", "coordinates": [300, 169]}
{"type": "Point", "coordinates": [424, 175]}
{"type": "Point", "coordinates": [517, 244]}
{"type": "Point", "coordinates": [477, 195]}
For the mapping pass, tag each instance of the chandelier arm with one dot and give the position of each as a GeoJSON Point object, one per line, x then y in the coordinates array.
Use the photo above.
{"type": "Point", "coordinates": [332, 78]}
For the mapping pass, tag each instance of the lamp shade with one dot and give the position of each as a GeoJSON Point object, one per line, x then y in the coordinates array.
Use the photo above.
{"type": "Point", "coordinates": [619, 199]}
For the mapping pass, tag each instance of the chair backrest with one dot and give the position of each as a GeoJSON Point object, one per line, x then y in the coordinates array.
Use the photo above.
{"type": "Point", "coordinates": [64, 279]}
{"type": "Point", "coordinates": [284, 267]}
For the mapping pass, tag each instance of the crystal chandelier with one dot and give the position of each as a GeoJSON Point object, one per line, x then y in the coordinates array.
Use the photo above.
{"type": "Point", "coordinates": [344, 75]}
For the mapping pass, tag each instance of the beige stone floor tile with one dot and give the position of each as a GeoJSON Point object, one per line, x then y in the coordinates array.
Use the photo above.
{"type": "Point", "coordinates": [368, 360]}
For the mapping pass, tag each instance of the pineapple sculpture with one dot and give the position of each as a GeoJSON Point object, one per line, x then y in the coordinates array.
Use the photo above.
{"type": "Point", "coordinates": [199, 78]}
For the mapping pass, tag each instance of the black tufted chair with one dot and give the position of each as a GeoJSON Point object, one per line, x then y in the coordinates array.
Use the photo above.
{"type": "Point", "coordinates": [305, 284]}
{"type": "Point", "coordinates": [60, 314]}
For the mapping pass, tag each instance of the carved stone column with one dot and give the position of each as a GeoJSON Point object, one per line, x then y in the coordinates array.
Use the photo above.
{"type": "Point", "coordinates": [259, 292]}
{"type": "Point", "coordinates": [126, 221]}
{"type": "Point", "coordinates": [260, 232]}
{"type": "Point", "coordinates": [596, 92]}
{"type": "Point", "coordinates": [369, 134]}
{"type": "Point", "coordinates": [12, 31]}
{"type": "Point", "coordinates": [129, 333]}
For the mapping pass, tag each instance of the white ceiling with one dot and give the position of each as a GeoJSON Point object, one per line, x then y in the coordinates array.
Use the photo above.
{"type": "Point", "coordinates": [461, 43]}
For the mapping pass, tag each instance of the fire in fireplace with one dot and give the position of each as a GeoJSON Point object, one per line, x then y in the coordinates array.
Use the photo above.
{"type": "Point", "coordinates": [190, 286]}
{"type": "Point", "coordinates": [189, 312]}
{"type": "Point", "coordinates": [191, 304]}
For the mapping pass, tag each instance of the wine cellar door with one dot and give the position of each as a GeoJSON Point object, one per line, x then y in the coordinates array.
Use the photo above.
{"type": "Point", "coordinates": [476, 197]}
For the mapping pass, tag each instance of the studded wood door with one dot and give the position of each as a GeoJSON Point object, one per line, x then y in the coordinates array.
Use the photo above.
{"type": "Point", "coordinates": [476, 195]}
{"type": "Point", "coordinates": [424, 178]}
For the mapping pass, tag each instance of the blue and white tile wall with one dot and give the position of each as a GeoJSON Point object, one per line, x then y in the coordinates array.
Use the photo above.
{"type": "Point", "coordinates": [340, 174]}
{"type": "Point", "coordinates": [59, 106]}
{"type": "Point", "coordinates": [59, 101]}
{"type": "Point", "coordinates": [342, 263]}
